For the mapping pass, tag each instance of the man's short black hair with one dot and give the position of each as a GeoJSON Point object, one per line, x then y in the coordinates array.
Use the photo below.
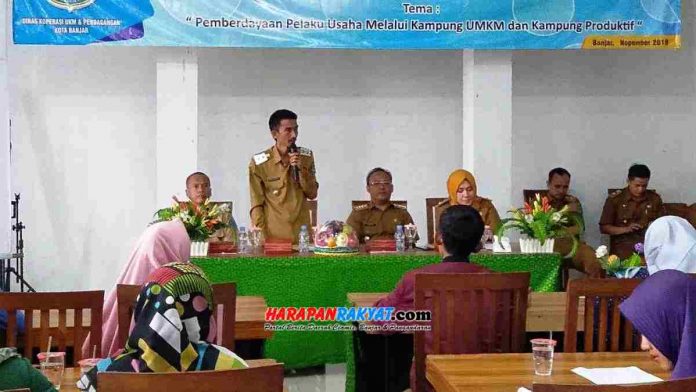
{"type": "Point", "coordinates": [638, 171]}
{"type": "Point", "coordinates": [280, 115]}
{"type": "Point", "coordinates": [461, 228]}
{"type": "Point", "coordinates": [196, 174]}
{"type": "Point", "coordinates": [558, 171]}
{"type": "Point", "coordinates": [375, 170]}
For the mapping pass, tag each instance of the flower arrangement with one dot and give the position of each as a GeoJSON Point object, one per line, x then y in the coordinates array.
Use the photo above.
{"type": "Point", "coordinates": [201, 221]}
{"type": "Point", "coordinates": [542, 222]}
{"type": "Point", "coordinates": [614, 266]}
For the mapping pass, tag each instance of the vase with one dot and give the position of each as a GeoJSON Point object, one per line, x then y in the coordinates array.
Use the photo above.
{"type": "Point", "coordinates": [627, 273]}
{"type": "Point", "coordinates": [199, 248]}
{"type": "Point", "coordinates": [533, 245]}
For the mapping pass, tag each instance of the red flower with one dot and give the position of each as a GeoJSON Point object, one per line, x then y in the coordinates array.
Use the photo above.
{"type": "Point", "coordinates": [545, 205]}
{"type": "Point", "coordinates": [527, 208]}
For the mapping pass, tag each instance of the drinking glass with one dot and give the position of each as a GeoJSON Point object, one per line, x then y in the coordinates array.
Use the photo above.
{"type": "Point", "coordinates": [542, 352]}
{"type": "Point", "coordinates": [52, 366]}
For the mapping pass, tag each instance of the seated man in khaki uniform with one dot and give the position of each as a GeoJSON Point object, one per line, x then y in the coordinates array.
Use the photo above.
{"type": "Point", "coordinates": [198, 190]}
{"type": "Point", "coordinates": [281, 179]}
{"type": "Point", "coordinates": [584, 260]}
{"type": "Point", "coordinates": [379, 217]}
{"type": "Point", "coordinates": [628, 212]}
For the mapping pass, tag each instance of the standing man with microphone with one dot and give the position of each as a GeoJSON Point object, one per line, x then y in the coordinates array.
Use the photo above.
{"type": "Point", "coordinates": [281, 179]}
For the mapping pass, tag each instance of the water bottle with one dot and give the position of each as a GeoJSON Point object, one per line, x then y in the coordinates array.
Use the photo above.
{"type": "Point", "coordinates": [243, 241]}
{"type": "Point", "coordinates": [400, 239]}
{"type": "Point", "coordinates": [303, 242]}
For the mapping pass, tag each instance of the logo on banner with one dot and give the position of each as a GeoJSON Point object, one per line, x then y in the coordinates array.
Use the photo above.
{"type": "Point", "coordinates": [71, 5]}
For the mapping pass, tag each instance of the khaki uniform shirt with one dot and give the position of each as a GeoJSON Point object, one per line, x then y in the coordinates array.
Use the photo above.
{"type": "Point", "coordinates": [621, 209]}
{"type": "Point", "coordinates": [574, 207]}
{"type": "Point", "coordinates": [370, 221]}
{"type": "Point", "coordinates": [278, 203]}
{"type": "Point", "coordinates": [484, 206]}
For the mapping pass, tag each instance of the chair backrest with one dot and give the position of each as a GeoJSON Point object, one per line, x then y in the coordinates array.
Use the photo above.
{"type": "Point", "coordinates": [224, 295]}
{"type": "Point", "coordinates": [602, 315]}
{"type": "Point", "coordinates": [430, 204]}
{"type": "Point", "coordinates": [530, 194]}
{"type": "Point", "coordinates": [313, 206]}
{"type": "Point", "coordinates": [253, 379]}
{"type": "Point", "coordinates": [38, 328]}
{"type": "Point", "coordinates": [687, 384]}
{"type": "Point", "coordinates": [471, 313]}
{"type": "Point", "coordinates": [401, 203]}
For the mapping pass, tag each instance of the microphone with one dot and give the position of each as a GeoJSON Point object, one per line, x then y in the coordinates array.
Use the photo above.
{"type": "Point", "coordinates": [294, 170]}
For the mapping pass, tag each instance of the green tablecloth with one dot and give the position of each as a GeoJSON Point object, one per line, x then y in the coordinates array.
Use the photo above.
{"type": "Point", "coordinates": [326, 281]}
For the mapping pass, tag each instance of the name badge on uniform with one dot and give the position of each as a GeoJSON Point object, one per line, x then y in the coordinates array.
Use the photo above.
{"type": "Point", "coordinates": [261, 158]}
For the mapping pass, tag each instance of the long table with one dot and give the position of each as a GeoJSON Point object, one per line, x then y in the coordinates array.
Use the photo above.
{"type": "Point", "coordinates": [310, 280]}
{"type": "Point", "coordinates": [508, 372]}
{"type": "Point", "coordinates": [382, 361]}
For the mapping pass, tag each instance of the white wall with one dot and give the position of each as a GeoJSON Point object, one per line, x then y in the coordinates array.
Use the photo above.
{"type": "Point", "coordinates": [5, 209]}
{"type": "Point", "coordinates": [597, 113]}
{"type": "Point", "coordinates": [357, 110]}
{"type": "Point", "coordinates": [84, 143]}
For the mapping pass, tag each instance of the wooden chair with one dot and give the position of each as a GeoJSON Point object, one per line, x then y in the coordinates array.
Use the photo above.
{"type": "Point", "coordinates": [471, 313]}
{"type": "Point", "coordinates": [401, 203]}
{"type": "Point", "coordinates": [430, 204]}
{"type": "Point", "coordinates": [36, 336]}
{"type": "Point", "coordinates": [601, 297]}
{"type": "Point", "coordinates": [224, 295]}
{"type": "Point", "coordinates": [530, 194]}
{"type": "Point", "coordinates": [313, 206]}
{"type": "Point", "coordinates": [687, 384]}
{"type": "Point", "coordinates": [253, 379]}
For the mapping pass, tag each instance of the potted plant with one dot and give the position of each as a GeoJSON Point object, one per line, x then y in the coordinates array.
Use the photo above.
{"type": "Point", "coordinates": [200, 221]}
{"type": "Point", "coordinates": [614, 266]}
{"type": "Point", "coordinates": [541, 224]}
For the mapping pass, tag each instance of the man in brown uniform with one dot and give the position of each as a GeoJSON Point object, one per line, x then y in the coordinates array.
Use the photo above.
{"type": "Point", "coordinates": [379, 217]}
{"type": "Point", "coordinates": [281, 179]}
{"type": "Point", "coordinates": [584, 259]}
{"type": "Point", "coordinates": [628, 212]}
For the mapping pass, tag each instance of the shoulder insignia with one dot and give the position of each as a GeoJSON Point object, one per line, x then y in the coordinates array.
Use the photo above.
{"type": "Point", "coordinates": [401, 206]}
{"type": "Point", "coordinates": [261, 157]}
{"type": "Point", "coordinates": [571, 199]}
{"type": "Point", "coordinates": [485, 201]}
{"type": "Point", "coordinates": [616, 193]}
{"type": "Point", "coordinates": [305, 151]}
{"type": "Point", "coordinates": [361, 207]}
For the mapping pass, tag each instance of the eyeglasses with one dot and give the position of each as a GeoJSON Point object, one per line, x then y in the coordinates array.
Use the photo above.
{"type": "Point", "coordinates": [380, 183]}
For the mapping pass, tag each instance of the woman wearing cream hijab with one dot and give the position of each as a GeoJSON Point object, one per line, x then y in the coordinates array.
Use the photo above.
{"type": "Point", "coordinates": [670, 243]}
{"type": "Point", "coordinates": [461, 188]}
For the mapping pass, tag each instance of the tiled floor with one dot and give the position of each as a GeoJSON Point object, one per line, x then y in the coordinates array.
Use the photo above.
{"type": "Point", "coordinates": [330, 379]}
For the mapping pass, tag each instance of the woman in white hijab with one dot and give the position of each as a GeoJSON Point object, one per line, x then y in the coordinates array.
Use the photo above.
{"type": "Point", "coordinates": [670, 243]}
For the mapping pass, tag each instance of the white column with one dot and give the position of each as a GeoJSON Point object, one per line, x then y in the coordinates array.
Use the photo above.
{"type": "Point", "coordinates": [5, 195]}
{"type": "Point", "coordinates": [487, 124]}
{"type": "Point", "coordinates": [177, 124]}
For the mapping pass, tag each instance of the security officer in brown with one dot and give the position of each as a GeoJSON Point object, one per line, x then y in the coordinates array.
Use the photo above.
{"type": "Point", "coordinates": [584, 259]}
{"type": "Point", "coordinates": [379, 217]}
{"type": "Point", "coordinates": [628, 212]}
{"type": "Point", "coordinates": [281, 180]}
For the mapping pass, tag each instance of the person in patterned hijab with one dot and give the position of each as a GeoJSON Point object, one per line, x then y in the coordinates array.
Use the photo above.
{"type": "Point", "coordinates": [174, 326]}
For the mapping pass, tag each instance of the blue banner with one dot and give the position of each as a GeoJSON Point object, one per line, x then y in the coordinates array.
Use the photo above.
{"type": "Point", "coordinates": [358, 24]}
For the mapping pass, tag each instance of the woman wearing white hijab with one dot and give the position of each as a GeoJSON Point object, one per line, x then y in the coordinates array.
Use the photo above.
{"type": "Point", "coordinates": [670, 243]}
